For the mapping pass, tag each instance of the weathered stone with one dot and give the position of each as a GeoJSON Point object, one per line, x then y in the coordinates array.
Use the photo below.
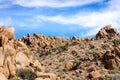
{"type": "Point", "coordinates": [111, 61]}
{"type": "Point", "coordinates": [117, 50]}
{"type": "Point", "coordinates": [69, 65]}
{"type": "Point", "coordinates": [2, 77]}
{"type": "Point", "coordinates": [23, 48]}
{"type": "Point", "coordinates": [21, 59]}
{"type": "Point", "coordinates": [106, 31]}
{"type": "Point", "coordinates": [38, 66]}
{"type": "Point", "coordinates": [2, 56]}
{"type": "Point", "coordinates": [8, 32]}
{"type": "Point", "coordinates": [3, 40]}
{"type": "Point", "coordinates": [47, 75]}
{"type": "Point", "coordinates": [39, 78]}
{"type": "Point", "coordinates": [94, 74]}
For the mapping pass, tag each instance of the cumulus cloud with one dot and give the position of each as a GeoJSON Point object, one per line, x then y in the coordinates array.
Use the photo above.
{"type": "Point", "coordinates": [54, 3]}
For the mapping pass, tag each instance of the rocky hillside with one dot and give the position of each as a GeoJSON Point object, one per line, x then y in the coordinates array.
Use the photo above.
{"type": "Point", "coordinates": [39, 57]}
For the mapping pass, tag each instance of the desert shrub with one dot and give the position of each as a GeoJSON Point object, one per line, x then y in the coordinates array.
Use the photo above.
{"type": "Point", "coordinates": [76, 64]}
{"type": "Point", "coordinates": [44, 52]}
{"type": "Point", "coordinates": [115, 71]}
{"type": "Point", "coordinates": [63, 48]}
{"type": "Point", "coordinates": [116, 42]}
{"type": "Point", "coordinates": [14, 78]}
{"type": "Point", "coordinates": [26, 74]}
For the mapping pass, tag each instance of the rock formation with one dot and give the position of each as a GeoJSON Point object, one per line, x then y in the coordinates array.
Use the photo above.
{"type": "Point", "coordinates": [38, 40]}
{"type": "Point", "coordinates": [14, 56]}
{"type": "Point", "coordinates": [106, 31]}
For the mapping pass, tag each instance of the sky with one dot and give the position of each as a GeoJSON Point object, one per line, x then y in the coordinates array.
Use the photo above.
{"type": "Point", "coordinates": [64, 18]}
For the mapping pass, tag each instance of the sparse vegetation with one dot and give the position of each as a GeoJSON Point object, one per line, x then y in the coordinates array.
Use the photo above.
{"type": "Point", "coordinates": [76, 64]}
{"type": "Point", "coordinates": [116, 42]}
{"type": "Point", "coordinates": [26, 74]}
{"type": "Point", "coordinates": [14, 78]}
{"type": "Point", "coordinates": [62, 48]}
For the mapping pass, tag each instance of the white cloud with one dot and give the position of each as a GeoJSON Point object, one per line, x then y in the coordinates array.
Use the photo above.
{"type": "Point", "coordinates": [94, 20]}
{"type": "Point", "coordinates": [54, 3]}
{"type": "Point", "coordinates": [91, 19]}
{"type": "Point", "coordinates": [114, 5]}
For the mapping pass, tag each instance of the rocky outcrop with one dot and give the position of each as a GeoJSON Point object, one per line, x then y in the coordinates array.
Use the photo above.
{"type": "Point", "coordinates": [14, 56]}
{"type": "Point", "coordinates": [41, 41]}
{"type": "Point", "coordinates": [106, 32]}
{"type": "Point", "coordinates": [8, 32]}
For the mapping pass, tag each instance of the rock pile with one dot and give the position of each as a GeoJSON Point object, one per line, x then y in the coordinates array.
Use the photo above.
{"type": "Point", "coordinates": [38, 40]}
{"type": "Point", "coordinates": [111, 60]}
{"type": "Point", "coordinates": [106, 32]}
{"type": "Point", "coordinates": [14, 56]}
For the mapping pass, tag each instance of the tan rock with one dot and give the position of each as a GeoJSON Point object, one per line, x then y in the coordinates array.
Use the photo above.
{"type": "Point", "coordinates": [106, 31]}
{"type": "Point", "coordinates": [47, 79]}
{"type": "Point", "coordinates": [2, 56]}
{"type": "Point", "coordinates": [47, 75]}
{"type": "Point", "coordinates": [2, 77]}
{"type": "Point", "coordinates": [11, 67]}
{"type": "Point", "coordinates": [3, 40]}
{"type": "Point", "coordinates": [38, 66]}
{"type": "Point", "coordinates": [117, 50]}
{"type": "Point", "coordinates": [111, 61]}
{"type": "Point", "coordinates": [6, 69]}
{"type": "Point", "coordinates": [23, 48]}
{"type": "Point", "coordinates": [21, 59]}
{"type": "Point", "coordinates": [39, 78]}
{"type": "Point", "coordinates": [8, 32]}
{"type": "Point", "coordinates": [94, 74]}
{"type": "Point", "coordinates": [7, 61]}
{"type": "Point", "coordinates": [69, 65]}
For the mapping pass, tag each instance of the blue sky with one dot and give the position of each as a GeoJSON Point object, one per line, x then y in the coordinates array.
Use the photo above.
{"type": "Point", "coordinates": [65, 18]}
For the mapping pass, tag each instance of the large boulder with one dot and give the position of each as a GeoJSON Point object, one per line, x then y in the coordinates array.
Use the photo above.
{"type": "Point", "coordinates": [21, 60]}
{"type": "Point", "coordinates": [94, 74]}
{"type": "Point", "coordinates": [2, 77]}
{"type": "Point", "coordinates": [8, 32]}
{"type": "Point", "coordinates": [106, 31]}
